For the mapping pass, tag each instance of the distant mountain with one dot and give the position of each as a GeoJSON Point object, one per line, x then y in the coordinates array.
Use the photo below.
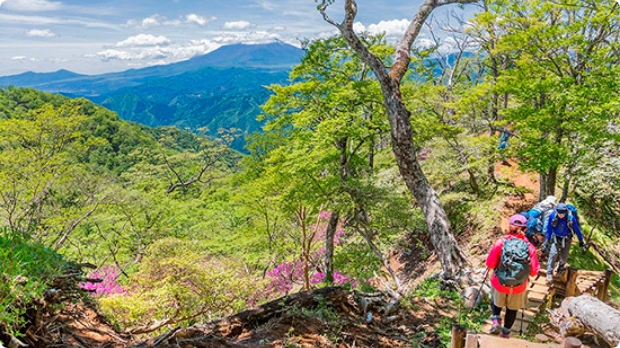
{"type": "Point", "coordinates": [274, 55]}
{"type": "Point", "coordinates": [222, 89]}
{"type": "Point", "coordinates": [32, 79]}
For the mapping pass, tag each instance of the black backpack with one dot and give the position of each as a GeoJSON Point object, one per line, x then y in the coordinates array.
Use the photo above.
{"type": "Point", "coordinates": [514, 264]}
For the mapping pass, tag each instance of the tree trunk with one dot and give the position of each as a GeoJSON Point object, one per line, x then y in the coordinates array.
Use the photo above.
{"type": "Point", "coordinates": [547, 183]}
{"type": "Point", "coordinates": [384, 260]}
{"type": "Point", "coordinates": [444, 243]}
{"type": "Point", "coordinates": [542, 186]}
{"type": "Point", "coordinates": [306, 242]}
{"type": "Point", "coordinates": [565, 188]}
{"type": "Point", "coordinates": [330, 233]}
{"type": "Point", "coordinates": [595, 314]}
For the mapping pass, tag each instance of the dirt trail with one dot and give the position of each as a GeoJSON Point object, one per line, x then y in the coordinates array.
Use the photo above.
{"type": "Point", "coordinates": [516, 204]}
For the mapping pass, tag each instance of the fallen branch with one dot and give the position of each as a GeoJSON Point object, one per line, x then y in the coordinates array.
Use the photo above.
{"type": "Point", "coordinates": [596, 315]}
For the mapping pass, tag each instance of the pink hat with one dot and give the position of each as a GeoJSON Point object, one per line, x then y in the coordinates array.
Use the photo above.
{"type": "Point", "coordinates": [518, 220]}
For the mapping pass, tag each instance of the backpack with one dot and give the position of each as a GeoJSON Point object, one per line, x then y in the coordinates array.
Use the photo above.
{"type": "Point", "coordinates": [514, 264]}
{"type": "Point", "coordinates": [573, 210]}
{"type": "Point", "coordinates": [534, 222]}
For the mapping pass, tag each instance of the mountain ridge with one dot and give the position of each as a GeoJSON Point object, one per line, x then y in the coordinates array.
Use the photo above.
{"type": "Point", "coordinates": [221, 89]}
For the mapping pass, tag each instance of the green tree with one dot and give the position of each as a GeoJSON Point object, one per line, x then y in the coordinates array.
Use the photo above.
{"type": "Point", "coordinates": [43, 189]}
{"type": "Point", "coordinates": [562, 81]}
{"type": "Point", "coordinates": [402, 131]}
{"type": "Point", "coordinates": [330, 129]}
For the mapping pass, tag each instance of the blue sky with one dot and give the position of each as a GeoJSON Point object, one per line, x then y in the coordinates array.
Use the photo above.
{"type": "Point", "coordinates": [98, 36]}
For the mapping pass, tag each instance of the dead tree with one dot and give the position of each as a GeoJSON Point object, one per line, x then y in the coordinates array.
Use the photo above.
{"type": "Point", "coordinates": [405, 150]}
{"type": "Point", "coordinates": [594, 314]}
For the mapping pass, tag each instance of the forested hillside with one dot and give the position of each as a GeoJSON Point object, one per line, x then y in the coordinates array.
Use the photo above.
{"type": "Point", "coordinates": [377, 183]}
{"type": "Point", "coordinates": [221, 89]}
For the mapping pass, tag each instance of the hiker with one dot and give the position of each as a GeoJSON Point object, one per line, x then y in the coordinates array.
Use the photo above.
{"type": "Point", "coordinates": [513, 260]}
{"type": "Point", "coordinates": [560, 227]}
{"type": "Point", "coordinates": [505, 135]}
{"type": "Point", "coordinates": [537, 220]}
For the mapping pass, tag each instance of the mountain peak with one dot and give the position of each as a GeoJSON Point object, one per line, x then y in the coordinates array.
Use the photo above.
{"type": "Point", "coordinates": [31, 78]}
{"type": "Point", "coordinates": [275, 54]}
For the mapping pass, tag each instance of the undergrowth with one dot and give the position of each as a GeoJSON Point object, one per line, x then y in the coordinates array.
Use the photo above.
{"type": "Point", "coordinates": [444, 298]}
{"type": "Point", "coordinates": [26, 270]}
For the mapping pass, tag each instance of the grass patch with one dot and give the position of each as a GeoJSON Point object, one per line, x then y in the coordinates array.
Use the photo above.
{"type": "Point", "coordinates": [26, 270]}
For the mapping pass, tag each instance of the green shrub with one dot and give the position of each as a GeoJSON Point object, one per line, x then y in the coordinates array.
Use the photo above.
{"type": "Point", "coordinates": [181, 283]}
{"type": "Point", "coordinates": [25, 272]}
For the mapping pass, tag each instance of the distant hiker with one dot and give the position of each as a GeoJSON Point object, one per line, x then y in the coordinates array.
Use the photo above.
{"type": "Point", "coordinates": [513, 260]}
{"type": "Point", "coordinates": [537, 220]}
{"type": "Point", "coordinates": [560, 227]}
{"type": "Point", "coordinates": [505, 135]}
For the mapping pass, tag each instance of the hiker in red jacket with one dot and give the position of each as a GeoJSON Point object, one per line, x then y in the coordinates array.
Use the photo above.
{"type": "Point", "coordinates": [513, 260]}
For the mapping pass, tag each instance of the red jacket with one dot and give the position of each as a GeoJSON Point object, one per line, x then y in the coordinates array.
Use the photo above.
{"type": "Point", "coordinates": [494, 258]}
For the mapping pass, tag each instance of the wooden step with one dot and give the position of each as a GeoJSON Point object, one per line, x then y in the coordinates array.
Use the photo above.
{"type": "Point", "coordinates": [488, 341]}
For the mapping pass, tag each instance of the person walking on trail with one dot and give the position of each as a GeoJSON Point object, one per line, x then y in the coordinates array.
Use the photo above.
{"type": "Point", "coordinates": [537, 220]}
{"type": "Point", "coordinates": [513, 260]}
{"type": "Point", "coordinates": [505, 135]}
{"type": "Point", "coordinates": [561, 226]}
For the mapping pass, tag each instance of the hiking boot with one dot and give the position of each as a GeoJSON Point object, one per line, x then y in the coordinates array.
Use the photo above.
{"type": "Point", "coordinates": [562, 268]}
{"type": "Point", "coordinates": [496, 327]}
{"type": "Point", "coordinates": [505, 333]}
{"type": "Point", "coordinates": [549, 278]}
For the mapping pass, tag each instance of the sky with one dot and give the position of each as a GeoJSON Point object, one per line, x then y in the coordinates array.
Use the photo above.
{"type": "Point", "coordinates": [99, 36]}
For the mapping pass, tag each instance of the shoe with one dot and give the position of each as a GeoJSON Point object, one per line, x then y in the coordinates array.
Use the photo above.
{"type": "Point", "coordinates": [496, 327]}
{"type": "Point", "coordinates": [549, 278]}
{"type": "Point", "coordinates": [505, 333]}
{"type": "Point", "coordinates": [562, 268]}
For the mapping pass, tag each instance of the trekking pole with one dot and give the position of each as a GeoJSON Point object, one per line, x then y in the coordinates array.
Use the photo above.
{"type": "Point", "coordinates": [589, 241]}
{"type": "Point", "coordinates": [486, 274]}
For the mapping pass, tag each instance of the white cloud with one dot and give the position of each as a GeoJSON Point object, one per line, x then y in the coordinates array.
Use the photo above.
{"type": "Point", "coordinates": [193, 18]}
{"type": "Point", "coordinates": [40, 33]}
{"type": "Point", "coordinates": [359, 27]}
{"type": "Point", "coordinates": [249, 38]}
{"type": "Point", "coordinates": [283, 28]}
{"type": "Point", "coordinates": [269, 6]}
{"type": "Point", "coordinates": [114, 55]}
{"type": "Point", "coordinates": [424, 43]}
{"type": "Point", "coordinates": [42, 20]}
{"type": "Point", "coordinates": [155, 55]}
{"type": "Point", "coordinates": [24, 59]}
{"type": "Point", "coordinates": [151, 21]}
{"type": "Point", "coordinates": [239, 25]}
{"type": "Point", "coordinates": [30, 5]}
{"type": "Point", "coordinates": [144, 40]}
{"type": "Point", "coordinates": [393, 27]}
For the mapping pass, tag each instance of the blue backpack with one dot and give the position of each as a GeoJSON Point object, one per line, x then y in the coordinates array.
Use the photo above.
{"type": "Point", "coordinates": [573, 211]}
{"type": "Point", "coordinates": [534, 222]}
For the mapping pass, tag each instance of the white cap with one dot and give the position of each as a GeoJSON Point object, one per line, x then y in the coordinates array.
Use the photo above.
{"type": "Point", "coordinates": [551, 200]}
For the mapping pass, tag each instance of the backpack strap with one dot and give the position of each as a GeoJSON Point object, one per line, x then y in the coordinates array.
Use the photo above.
{"type": "Point", "coordinates": [569, 221]}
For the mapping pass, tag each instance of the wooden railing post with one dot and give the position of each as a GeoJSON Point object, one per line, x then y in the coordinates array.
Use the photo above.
{"type": "Point", "coordinates": [458, 336]}
{"type": "Point", "coordinates": [602, 293]}
{"type": "Point", "coordinates": [471, 341]}
{"type": "Point", "coordinates": [572, 342]}
{"type": "Point", "coordinates": [571, 282]}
